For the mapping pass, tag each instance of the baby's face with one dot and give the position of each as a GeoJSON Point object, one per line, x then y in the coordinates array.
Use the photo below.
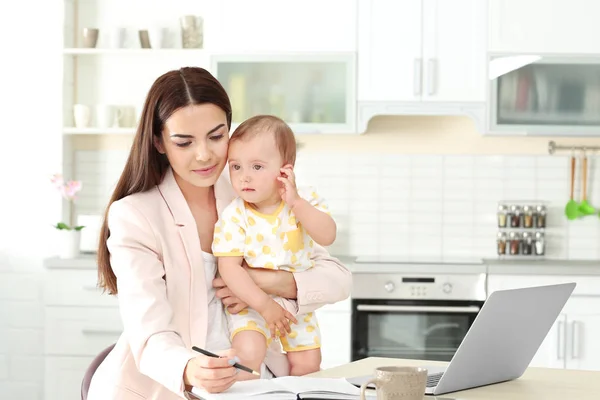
{"type": "Point", "coordinates": [254, 165]}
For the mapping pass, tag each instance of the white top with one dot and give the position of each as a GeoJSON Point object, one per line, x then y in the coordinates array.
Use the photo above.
{"type": "Point", "coordinates": [273, 241]}
{"type": "Point", "coordinates": [217, 337]}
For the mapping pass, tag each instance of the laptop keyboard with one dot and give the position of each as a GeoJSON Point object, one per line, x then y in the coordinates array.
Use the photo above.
{"type": "Point", "coordinates": [433, 379]}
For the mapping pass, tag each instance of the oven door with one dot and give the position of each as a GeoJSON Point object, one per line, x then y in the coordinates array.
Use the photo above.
{"type": "Point", "coordinates": [423, 330]}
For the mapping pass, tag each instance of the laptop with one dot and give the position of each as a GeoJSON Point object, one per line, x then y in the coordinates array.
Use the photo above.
{"type": "Point", "coordinates": [502, 341]}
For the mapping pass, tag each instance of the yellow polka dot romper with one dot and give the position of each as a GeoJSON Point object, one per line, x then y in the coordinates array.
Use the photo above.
{"type": "Point", "coordinates": [272, 241]}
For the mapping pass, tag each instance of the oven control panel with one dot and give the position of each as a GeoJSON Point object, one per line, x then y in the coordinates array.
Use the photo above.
{"type": "Point", "coordinates": [400, 286]}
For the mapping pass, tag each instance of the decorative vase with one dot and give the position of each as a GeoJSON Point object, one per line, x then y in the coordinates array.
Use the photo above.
{"type": "Point", "coordinates": [68, 243]}
{"type": "Point", "coordinates": [192, 35]}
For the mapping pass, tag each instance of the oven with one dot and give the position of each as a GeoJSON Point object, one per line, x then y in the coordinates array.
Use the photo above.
{"type": "Point", "coordinates": [413, 316]}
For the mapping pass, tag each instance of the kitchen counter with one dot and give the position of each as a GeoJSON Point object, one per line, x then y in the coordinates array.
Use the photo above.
{"type": "Point", "coordinates": [535, 384]}
{"type": "Point", "coordinates": [363, 265]}
{"type": "Point", "coordinates": [85, 261]}
{"type": "Point", "coordinates": [542, 267]}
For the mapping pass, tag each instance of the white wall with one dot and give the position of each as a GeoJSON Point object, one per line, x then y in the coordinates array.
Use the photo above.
{"type": "Point", "coordinates": [30, 150]}
{"type": "Point", "coordinates": [390, 199]}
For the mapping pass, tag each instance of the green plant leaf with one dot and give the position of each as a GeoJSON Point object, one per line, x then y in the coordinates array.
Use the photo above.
{"type": "Point", "coordinates": [78, 228]}
{"type": "Point", "coordinates": [62, 226]}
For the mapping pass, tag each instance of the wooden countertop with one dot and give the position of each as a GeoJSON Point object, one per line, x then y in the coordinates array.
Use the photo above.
{"type": "Point", "coordinates": [535, 384]}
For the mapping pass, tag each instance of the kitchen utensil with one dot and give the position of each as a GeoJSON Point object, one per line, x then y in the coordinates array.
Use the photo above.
{"type": "Point", "coordinates": [572, 208]}
{"type": "Point", "coordinates": [584, 207]}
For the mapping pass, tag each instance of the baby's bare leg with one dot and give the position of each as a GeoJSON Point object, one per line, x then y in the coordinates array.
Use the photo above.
{"type": "Point", "coordinates": [304, 362]}
{"type": "Point", "coordinates": [251, 349]}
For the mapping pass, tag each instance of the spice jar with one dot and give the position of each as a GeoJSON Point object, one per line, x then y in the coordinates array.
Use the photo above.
{"type": "Point", "coordinates": [527, 216]}
{"type": "Point", "coordinates": [540, 217]}
{"type": "Point", "coordinates": [515, 216]}
{"type": "Point", "coordinates": [540, 244]}
{"type": "Point", "coordinates": [502, 216]}
{"type": "Point", "coordinates": [501, 243]}
{"type": "Point", "coordinates": [515, 241]}
{"type": "Point", "coordinates": [527, 245]}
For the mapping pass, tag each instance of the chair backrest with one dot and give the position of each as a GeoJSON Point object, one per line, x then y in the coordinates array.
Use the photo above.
{"type": "Point", "coordinates": [87, 378]}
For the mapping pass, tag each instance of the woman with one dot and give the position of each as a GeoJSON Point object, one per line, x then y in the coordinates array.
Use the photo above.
{"type": "Point", "coordinates": [155, 247]}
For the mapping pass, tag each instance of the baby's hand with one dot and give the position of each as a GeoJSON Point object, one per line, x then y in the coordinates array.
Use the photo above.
{"type": "Point", "coordinates": [288, 191]}
{"type": "Point", "coordinates": [278, 318]}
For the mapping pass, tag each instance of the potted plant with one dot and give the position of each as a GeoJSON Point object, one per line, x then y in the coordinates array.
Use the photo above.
{"type": "Point", "coordinates": [69, 233]}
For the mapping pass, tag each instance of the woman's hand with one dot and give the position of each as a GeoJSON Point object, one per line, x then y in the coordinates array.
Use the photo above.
{"type": "Point", "coordinates": [278, 283]}
{"type": "Point", "coordinates": [233, 304]}
{"type": "Point", "coordinates": [214, 375]}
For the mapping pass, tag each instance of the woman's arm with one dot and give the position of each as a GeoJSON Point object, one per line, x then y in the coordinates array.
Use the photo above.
{"type": "Point", "coordinates": [158, 349]}
{"type": "Point", "coordinates": [329, 281]}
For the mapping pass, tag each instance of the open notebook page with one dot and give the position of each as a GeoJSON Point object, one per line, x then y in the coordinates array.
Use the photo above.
{"type": "Point", "coordinates": [283, 388]}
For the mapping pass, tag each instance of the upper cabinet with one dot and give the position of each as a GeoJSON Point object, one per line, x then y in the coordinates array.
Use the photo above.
{"type": "Point", "coordinates": [292, 25]}
{"type": "Point", "coordinates": [314, 93]}
{"type": "Point", "coordinates": [421, 50]}
{"type": "Point", "coordinates": [541, 94]}
{"type": "Point", "coordinates": [544, 26]}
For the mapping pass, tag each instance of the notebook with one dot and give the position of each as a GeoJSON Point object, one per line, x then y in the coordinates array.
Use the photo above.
{"type": "Point", "coordinates": [287, 387]}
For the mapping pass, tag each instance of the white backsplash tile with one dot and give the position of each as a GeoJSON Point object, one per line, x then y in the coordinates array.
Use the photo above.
{"type": "Point", "coordinates": [414, 205]}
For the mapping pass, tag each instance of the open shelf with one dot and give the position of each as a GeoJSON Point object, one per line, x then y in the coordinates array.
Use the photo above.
{"type": "Point", "coordinates": [136, 51]}
{"type": "Point", "coordinates": [98, 131]}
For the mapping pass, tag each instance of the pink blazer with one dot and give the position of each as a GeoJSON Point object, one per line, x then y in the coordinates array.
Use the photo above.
{"type": "Point", "coordinates": [163, 300]}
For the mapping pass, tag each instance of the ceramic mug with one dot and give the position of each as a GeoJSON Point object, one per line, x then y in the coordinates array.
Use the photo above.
{"type": "Point", "coordinates": [398, 383]}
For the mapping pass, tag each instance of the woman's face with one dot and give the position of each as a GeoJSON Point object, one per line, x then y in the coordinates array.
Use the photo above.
{"type": "Point", "coordinates": [195, 140]}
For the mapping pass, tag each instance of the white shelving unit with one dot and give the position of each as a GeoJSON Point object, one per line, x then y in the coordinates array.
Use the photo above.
{"type": "Point", "coordinates": [98, 131]}
{"type": "Point", "coordinates": [124, 52]}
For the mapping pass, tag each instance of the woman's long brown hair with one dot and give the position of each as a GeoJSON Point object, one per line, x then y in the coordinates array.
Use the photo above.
{"type": "Point", "coordinates": [145, 166]}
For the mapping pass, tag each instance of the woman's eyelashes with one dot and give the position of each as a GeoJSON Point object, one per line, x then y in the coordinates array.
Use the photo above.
{"type": "Point", "coordinates": [214, 138]}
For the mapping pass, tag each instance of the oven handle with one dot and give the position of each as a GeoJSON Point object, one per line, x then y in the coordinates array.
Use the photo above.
{"type": "Point", "coordinates": [371, 307]}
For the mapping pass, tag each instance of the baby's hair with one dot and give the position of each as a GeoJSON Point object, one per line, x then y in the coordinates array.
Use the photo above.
{"type": "Point", "coordinates": [261, 124]}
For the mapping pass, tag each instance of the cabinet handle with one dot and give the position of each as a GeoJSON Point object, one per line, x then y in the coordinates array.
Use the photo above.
{"type": "Point", "coordinates": [559, 341]}
{"type": "Point", "coordinates": [431, 76]}
{"type": "Point", "coordinates": [575, 340]}
{"type": "Point", "coordinates": [417, 76]}
{"type": "Point", "coordinates": [90, 288]}
{"type": "Point", "coordinates": [103, 332]}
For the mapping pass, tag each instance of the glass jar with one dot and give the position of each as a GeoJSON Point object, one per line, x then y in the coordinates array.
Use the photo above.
{"type": "Point", "coordinates": [515, 216]}
{"type": "Point", "coordinates": [502, 216]}
{"type": "Point", "coordinates": [540, 244]}
{"type": "Point", "coordinates": [514, 240]}
{"type": "Point", "coordinates": [527, 217]}
{"type": "Point", "coordinates": [540, 217]}
{"type": "Point", "coordinates": [527, 244]}
{"type": "Point", "coordinates": [501, 243]}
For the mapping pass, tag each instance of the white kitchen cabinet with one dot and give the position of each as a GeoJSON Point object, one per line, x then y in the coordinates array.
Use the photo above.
{"type": "Point", "coordinates": [421, 50]}
{"type": "Point", "coordinates": [544, 26]}
{"type": "Point", "coordinates": [80, 322]}
{"type": "Point", "coordinates": [313, 92]}
{"type": "Point", "coordinates": [571, 342]}
{"type": "Point", "coordinates": [335, 325]}
{"type": "Point", "coordinates": [292, 25]}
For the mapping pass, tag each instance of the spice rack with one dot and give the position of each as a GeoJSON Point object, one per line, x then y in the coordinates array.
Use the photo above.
{"type": "Point", "coordinates": [521, 229]}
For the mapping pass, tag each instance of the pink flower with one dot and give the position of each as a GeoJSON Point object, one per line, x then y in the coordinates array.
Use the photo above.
{"type": "Point", "coordinates": [68, 189]}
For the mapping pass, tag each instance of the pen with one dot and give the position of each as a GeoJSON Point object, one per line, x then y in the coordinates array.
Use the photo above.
{"type": "Point", "coordinates": [236, 365]}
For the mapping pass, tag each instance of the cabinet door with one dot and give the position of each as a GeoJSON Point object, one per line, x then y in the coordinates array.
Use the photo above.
{"type": "Point", "coordinates": [389, 50]}
{"type": "Point", "coordinates": [552, 351]}
{"type": "Point", "coordinates": [293, 25]}
{"type": "Point", "coordinates": [557, 26]}
{"type": "Point", "coordinates": [63, 376]}
{"type": "Point", "coordinates": [583, 347]}
{"type": "Point", "coordinates": [454, 50]}
{"type": "Point", "coordinates": [335, 337]}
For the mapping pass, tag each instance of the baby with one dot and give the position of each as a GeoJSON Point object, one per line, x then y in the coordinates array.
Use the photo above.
{"type": "Point", "coordinates": [270, 225]}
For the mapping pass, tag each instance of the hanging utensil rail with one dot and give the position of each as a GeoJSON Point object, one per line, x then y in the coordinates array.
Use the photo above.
{"type": "Point", "coordinates": [553, 147]}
